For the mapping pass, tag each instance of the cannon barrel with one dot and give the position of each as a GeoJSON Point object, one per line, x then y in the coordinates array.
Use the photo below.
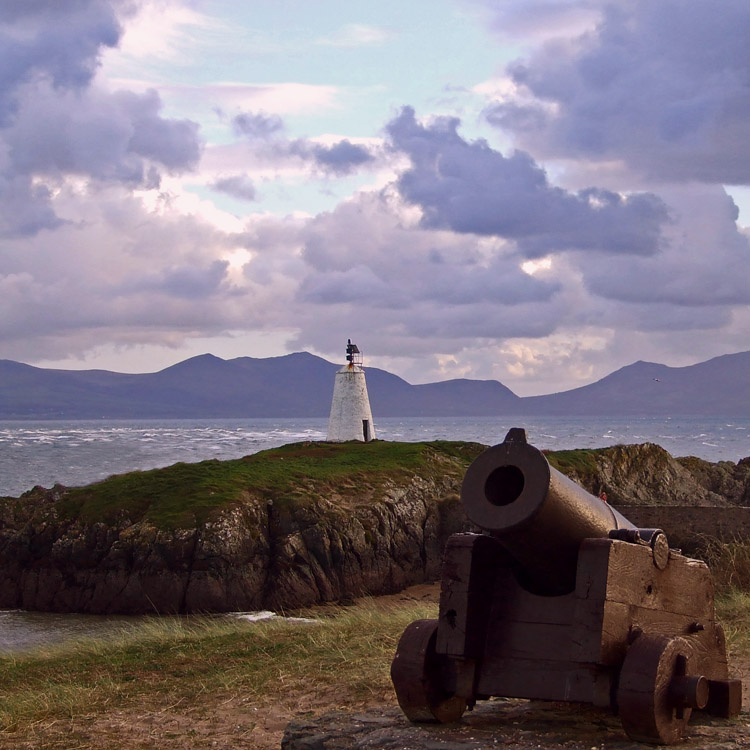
{"type": "Point", "coordinates": [540, 516]}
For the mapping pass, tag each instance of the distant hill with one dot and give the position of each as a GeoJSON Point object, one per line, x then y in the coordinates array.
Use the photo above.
{"type": "Point", "coordinates": [720, 386]}
{"type": "Point", "coordinates": [301, 385]}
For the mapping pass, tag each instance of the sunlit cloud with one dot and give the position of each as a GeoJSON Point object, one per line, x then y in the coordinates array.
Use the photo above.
{"type": "Point", "coordinates": [166, 30]}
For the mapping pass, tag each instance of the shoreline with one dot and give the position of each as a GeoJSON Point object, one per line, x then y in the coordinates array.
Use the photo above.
{"type": "Point", "coordinates": [75, 454]}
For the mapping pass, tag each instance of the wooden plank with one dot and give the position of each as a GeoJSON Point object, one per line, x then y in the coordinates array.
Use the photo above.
{"type": "Point", "coordinates": [544, 680]}
{"type": "Point", "coordinates": [624, 572]}
{"type": "Point", "coordinates": [601, 632]}
{"type": "Point", "coordinates": [470, 565]}
{"type": "Point", "coordinates": [529, 640]}
{"type": "Point", "coordinates": [593, 569]}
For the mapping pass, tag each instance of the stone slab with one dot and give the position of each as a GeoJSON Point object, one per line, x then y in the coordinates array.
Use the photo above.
{"type": "Point", "coordinates": [498, 723]}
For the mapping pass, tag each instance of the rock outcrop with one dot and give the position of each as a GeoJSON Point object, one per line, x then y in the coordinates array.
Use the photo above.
{"type": "Point", "coordinates": [725, 479]}
{"type": "Point", "coordinates": [646, 474]}
{"type": "Point", "coordinates": [373, 533]}
{"type": "Point", "coordinates": [287, 528]}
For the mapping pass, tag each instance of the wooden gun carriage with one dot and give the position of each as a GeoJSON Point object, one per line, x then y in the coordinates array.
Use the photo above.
{"type": "Point", "coordinates": [562, 598]}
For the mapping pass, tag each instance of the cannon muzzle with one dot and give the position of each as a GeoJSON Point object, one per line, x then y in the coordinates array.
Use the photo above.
{"type": "Point", "coordinates": [540, 516]}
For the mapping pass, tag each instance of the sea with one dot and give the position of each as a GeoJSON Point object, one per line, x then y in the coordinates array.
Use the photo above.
{"type": "Point", "coordinates": [80, 452]}
{"type": "Point", "coordinates": [74, 453]}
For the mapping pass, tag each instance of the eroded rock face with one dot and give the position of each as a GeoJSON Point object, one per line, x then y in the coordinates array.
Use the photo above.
{"type": "Point", "coordinates": [725, 479]}
{"type": "Point", "coordinates": [646, 474]}
{"type": "Point", "coordinates": [253, 555]}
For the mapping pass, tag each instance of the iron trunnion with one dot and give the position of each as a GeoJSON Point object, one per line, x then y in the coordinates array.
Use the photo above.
{"type": "Point", "coordinates": [562, 598]}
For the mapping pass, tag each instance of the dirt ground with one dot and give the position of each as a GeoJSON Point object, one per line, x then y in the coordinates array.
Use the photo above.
{"type": "Point", "coordinates": [230, 722]}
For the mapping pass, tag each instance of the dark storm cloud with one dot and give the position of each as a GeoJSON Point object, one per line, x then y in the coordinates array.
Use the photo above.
{"type": "Point", "coordinates": [705, 264]}
{"type": "Point", "coordinates": [361, 254]}
{"type": "Point", "coordinates": [358, 283]}
{"type": "Point", "coordinates": [661, 85]}
{"type": "Point", "coordinates": [173, 143]}
{"type": "Point", "coordinates": [238, 186]}
{"type": "Point", "coordinates": [55, 123]}
{"type": "Point", "coordinates": [58, 41]}
{"type": "Point", "coordinates": [469, 187]}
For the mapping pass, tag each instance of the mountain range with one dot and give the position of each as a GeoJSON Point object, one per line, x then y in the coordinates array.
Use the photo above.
{"type": "Point", "coordinates": [301, 385]}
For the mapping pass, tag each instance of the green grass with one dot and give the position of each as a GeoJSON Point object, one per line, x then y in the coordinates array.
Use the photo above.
{"type": "Point", "coordinates": [729, 563]}
{"type": "Point", "coordinates": [193, 661]}
{"type": "Point", "coordinates": [183, 495]}
{"type": "Point", "coordinates": [581, 462]}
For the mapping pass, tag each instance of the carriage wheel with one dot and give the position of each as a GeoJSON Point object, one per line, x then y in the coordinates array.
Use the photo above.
{"type": "Point", "coordinates": [416, 672]}
{"type": "Point", "coordinates": [658, 689]}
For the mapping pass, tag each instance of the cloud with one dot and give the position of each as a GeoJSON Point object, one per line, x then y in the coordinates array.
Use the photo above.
{"type": "Point", "coordinates": [192, 282]}
{"type": "Point", "coordinates": [366, 260]}
{"type": "Point", "coordinates": [57, 124]}
{"type": "Point", "coordinates": [238, 186]}
{"type": "Point", "coordinates": [538, 20]}
{"type": "Point", "coordinates": [339, 158]}
{"type": "Point", "coordinates": [168, 31]}
{"type": "Point", "coordinates": [469, 187]}
{"type": "Point", "coordinates": [462, 260]}
{"type": "Point", "coordinates": [25, 208]}
{"type": "Point", "coordinates": [257, 124]}
{"type": "Point", "coordinates": [59, 43]}
{"type": "Point", "coordinates": [266, 134]}
{"type": "Point", "coordinates": [282, 98]}
{"type": "Point", "coordinates": [661, 86]}
{"type": "Point", "coordinates": [116, 271]}
{"type": "Point", "coordinates": [705, 263]}
{"type": "Point", "coordinates": [105, 136]}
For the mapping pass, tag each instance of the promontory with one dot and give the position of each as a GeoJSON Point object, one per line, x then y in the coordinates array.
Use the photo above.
{"type": "Point", "coordinates": [293, 526]}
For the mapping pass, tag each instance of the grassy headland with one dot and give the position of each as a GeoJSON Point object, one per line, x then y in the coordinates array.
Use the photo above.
{"type": "Point", "coordinates": [183, 495]}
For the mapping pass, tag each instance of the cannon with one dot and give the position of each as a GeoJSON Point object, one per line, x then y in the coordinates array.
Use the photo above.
{"type": "Point", "coordinates": [561, 598]}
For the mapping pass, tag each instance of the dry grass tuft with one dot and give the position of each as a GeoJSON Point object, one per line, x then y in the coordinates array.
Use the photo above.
{"type": "Point", "coordinates": [183, 661]}
{"type": "Point", "coordinates": [729, 562]}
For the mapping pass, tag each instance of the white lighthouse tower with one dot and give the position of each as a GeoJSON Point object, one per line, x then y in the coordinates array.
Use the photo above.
{"type": "Point", "coordinates": [351, 418]}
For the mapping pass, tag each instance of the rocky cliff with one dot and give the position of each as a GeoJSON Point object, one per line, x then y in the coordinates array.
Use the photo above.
{"type": "Point", "coordinates": [289, 527]}
{"type": "Point", "coordinates": [280, 529]}
{"type": "Point", "coordinates": [646, 474]}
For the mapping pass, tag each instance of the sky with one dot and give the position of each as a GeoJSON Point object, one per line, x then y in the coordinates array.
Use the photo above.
{"type": "Point", "coordinates": [533, 191]}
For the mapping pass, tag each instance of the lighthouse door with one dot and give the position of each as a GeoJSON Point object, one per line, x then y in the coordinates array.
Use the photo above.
{"type": "Point", "coordinates": [366, 429]}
